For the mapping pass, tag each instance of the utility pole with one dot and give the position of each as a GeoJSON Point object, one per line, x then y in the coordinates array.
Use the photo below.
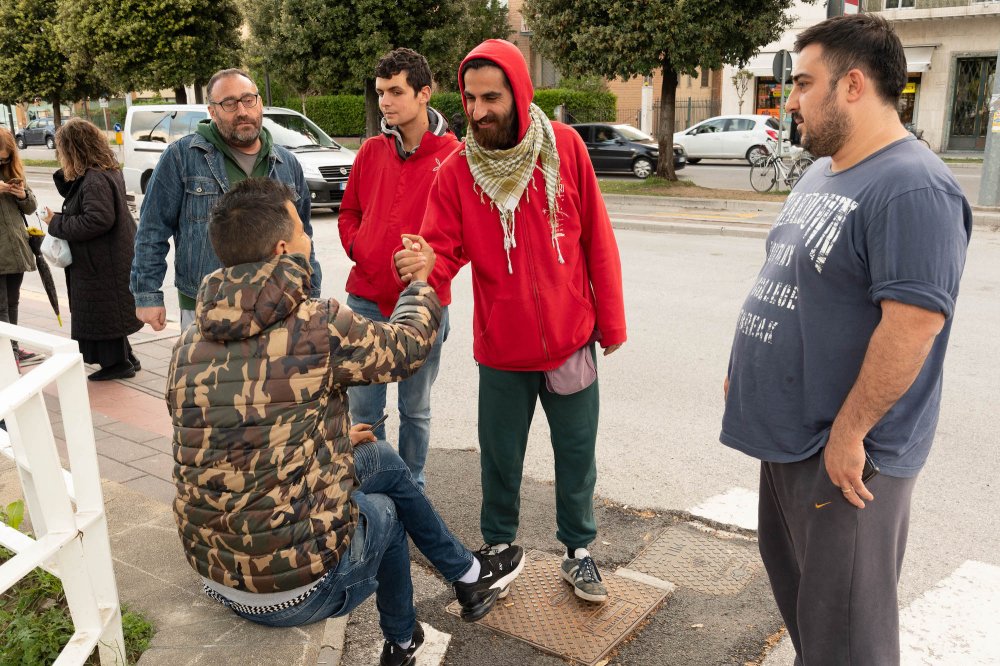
{"type": "Point", "coordinates": [988, 194]}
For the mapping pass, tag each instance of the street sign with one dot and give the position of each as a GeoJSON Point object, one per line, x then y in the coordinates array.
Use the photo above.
{"type": "Point", "coordinates": [782, 64]}
{"type": "Point", "coordinates": [104, 102]}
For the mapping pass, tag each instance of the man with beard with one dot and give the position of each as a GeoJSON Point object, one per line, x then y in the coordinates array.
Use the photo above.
{"type": "Point", "coordinates": [191, 176]}
{"type": "Point", "coordinates": [385, 198]}
{"type": "Point", "coordinates": [520, 202]}
{"type": "Point", "coordinates": [834, 379]}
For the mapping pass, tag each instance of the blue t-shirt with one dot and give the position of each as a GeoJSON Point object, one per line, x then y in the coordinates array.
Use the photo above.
{"type": "Point", "coordinates": [895, 226]}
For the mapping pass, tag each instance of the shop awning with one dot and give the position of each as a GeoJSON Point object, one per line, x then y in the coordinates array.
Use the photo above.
{"type": "Point", "coordinates": [918, 58]}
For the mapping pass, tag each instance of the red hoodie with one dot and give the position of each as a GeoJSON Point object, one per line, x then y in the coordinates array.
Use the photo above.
{"type": "Point", "coordinates": [385, 198]}
{"type": "Point", "coordinates": [535, 317]}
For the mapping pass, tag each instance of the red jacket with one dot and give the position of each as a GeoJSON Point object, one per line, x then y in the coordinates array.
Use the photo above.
{"type": "Point", "coordinates": [385, 198]}
{"type": "Point", "coordinates": [535, 317]}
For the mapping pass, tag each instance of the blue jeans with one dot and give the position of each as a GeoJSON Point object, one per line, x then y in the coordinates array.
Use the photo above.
{"type": "Point", "coordinates": [368, 402]}
{"type": "Point", "coordinates": [378, 558]}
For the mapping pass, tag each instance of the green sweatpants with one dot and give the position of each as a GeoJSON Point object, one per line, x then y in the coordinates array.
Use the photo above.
{"type": "Point", "coordinates": [506, 407]}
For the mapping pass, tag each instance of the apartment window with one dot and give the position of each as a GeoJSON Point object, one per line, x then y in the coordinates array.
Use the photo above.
{"type": "Point", "coordinates": [899, 4]}
{"type": "Point", "coordinates": [705, 76]}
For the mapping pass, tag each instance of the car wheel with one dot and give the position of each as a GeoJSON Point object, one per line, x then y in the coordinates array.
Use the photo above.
{"type": "Point", "coordinates": [21, 145]}
{"type": "Point", "coordinates": [694, 160]}
{"type": "Point", "coordinates": [756, 154]}
{"type": "Point", "coordinates": [50, 142]}
{"type": "Point", "coordinates": [642, 168]}
{"type": "Point", "coordinates": [144, 181]}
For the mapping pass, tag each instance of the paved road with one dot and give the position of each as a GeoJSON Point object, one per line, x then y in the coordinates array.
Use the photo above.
{"type": "Point", "coordinates": [661, 394]}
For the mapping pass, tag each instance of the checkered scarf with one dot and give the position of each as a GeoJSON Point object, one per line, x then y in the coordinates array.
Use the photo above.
{"type": "Point", "coordinates": [504, 175]}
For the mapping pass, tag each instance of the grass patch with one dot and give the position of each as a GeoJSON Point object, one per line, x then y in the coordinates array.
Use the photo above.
{"type": "Point", "coordinates": [41, 163]}
{"type": "Point", "coordinates": [659, 187]}
{"type": "Point", "coordinates": [35, 623]}
{"type": "Point", "coordinates": [962, 160]}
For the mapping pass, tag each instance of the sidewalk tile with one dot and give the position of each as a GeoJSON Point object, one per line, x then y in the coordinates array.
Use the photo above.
{"type": "Point", "coordinates": [130, 432]}
{"type": "Point", "coordinates": [154, 488]}
{"type": "Point", "coordinates": [162, 445]}
{"type": "Point", "coordinates": [123, 450]}
{"type": "Point", "coordinates": [112, 470]}
{"type": "Point", "coordinates": [159, 465]}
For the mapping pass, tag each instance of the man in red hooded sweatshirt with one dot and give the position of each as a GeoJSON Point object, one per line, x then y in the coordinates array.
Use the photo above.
{"type": "Point", "coordinates": [385, 197]}
{"type": "Point", "coordinates": [520, 202]}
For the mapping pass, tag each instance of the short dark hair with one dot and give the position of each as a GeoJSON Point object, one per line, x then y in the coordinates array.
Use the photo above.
{"type": "Point", "coordinates": [249, 220]}
{"type": "Point", "coordinates": [861, 41]}
{"type": "Point", "coordinates": [479, 63]}
{"type": "Point", "coordinates": [223, 74]}
{"type": "Point", "coordinates": [418, 72]}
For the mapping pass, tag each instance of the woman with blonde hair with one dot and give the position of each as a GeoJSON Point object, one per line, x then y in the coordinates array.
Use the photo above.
{"type": "Point", "coordinates": [96, 221]}
{"type": "Point", "coordinates": [16, 259]}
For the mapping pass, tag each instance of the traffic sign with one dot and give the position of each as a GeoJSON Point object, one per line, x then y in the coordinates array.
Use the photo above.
{"type": "Point", "coordinates": [782, 65]}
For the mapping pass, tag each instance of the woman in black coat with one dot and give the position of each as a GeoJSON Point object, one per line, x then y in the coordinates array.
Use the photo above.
{"type": "Point", "coordinates": [96, 221]}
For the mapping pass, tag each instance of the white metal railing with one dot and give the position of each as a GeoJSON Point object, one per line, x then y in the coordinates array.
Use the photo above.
{"type": "Point", "coordinates": [70, 542]}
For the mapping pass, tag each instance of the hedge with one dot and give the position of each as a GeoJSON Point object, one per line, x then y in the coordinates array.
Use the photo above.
{"type": "Point", "coordinates": [344, 115]}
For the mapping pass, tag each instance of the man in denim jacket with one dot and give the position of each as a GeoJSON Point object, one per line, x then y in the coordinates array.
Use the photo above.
{"type": "Point", "coordinates": [191, 176]}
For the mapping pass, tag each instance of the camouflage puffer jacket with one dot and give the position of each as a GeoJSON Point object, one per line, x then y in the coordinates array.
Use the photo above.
{"type": "Point", "coordinates": [263, 462]}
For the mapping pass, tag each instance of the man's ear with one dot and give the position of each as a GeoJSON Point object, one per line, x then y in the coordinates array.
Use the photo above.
{"type": "Point", "coordinates": [424, 95]}
{"type": "Point", "coordinates": [281, 247]}
{"type": "Point", "coordinates": [857, 84]}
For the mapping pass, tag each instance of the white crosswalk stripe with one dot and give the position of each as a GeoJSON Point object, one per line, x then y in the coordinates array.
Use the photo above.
{"type": "Point", "coordinates": [957, 622]}
{"type": "Point", "coordinates": [435, 646]}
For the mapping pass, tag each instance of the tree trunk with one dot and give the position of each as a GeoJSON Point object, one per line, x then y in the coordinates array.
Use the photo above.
{"type": "Point", "coordinates": [665, 131]}
{"type": "Point", "coordinates": [302, 98]}
{"type": "Point", "coordinates": [372, 117]}
{"type": "Point", "coordinates": [180, 95]}
{"type": "Point", "coordinates": [56, 111]}
{"type": "Point", "coordinates": [199, 94]}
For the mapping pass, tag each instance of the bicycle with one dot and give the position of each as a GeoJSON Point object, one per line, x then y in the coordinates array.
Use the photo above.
{"type": "Point", "coordinates": [919, 133]}
{"type": "Point", "coordinates": [769, 171]}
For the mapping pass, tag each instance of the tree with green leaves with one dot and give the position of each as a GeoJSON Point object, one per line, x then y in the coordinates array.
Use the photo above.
{"type": "Point", "coordinates": [334, 45]}
{"type": "Point", "coordinates": [151, 44]}
{"type": "Point", "coordinates": [32, 63]}
{"type": "Point", "coordinates": [627, 38]}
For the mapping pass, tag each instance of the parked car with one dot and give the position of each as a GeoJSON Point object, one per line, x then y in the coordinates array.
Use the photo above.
{"type": "Point", "coordinates": [149, 128]}
{"type": "Point", "coordinates": [623, 148]}
{"type": "Point", "coordinates": [40, 131]}
{"type": "Point", "coordinates": [729, 137]}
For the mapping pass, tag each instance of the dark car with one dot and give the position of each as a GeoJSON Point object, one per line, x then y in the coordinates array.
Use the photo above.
{"type": "Point", "coordinates": [39, 131]}
{"type": "Point", "coordinates": [624, 149]}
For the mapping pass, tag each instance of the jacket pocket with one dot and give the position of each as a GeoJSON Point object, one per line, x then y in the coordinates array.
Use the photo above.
{"type": "Point", "coordinates": [195, 257]}
{"type": "Point", "coordinates": [511, 337]}
{"type": "Point", "coordinates": [568, 319]}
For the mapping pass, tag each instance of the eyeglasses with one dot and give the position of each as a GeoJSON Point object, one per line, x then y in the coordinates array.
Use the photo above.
{"type": "Point", "coordinates": [229, 104]}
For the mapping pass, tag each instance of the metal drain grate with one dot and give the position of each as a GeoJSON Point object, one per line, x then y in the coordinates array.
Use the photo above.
{"type": "Point", "coordinates": [699, 561]}
{"type": "Point", "coordinates": [543, 611]}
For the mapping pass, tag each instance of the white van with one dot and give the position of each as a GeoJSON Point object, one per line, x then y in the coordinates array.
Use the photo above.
{"type": "Point", "coordinates": [149, 128]}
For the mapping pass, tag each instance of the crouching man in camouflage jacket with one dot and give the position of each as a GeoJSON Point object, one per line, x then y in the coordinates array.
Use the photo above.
{"type": "Point", "coordinates": [289, 514]}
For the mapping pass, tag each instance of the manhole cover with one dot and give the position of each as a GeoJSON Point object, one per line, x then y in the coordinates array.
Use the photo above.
{"type": "Point", "coordinates": [543, 611]}
{"type": "Point", "coordinates": [699, 561]}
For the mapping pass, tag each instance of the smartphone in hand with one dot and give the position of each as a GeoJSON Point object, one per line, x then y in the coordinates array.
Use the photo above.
{"type": "Point", "coordinates": [870, 469]}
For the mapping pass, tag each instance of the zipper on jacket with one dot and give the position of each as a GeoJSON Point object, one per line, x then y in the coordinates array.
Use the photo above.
{"type": "Point", "coordinates": [534, 287]}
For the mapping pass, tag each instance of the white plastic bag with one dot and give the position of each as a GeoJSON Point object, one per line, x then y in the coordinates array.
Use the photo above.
{"type": "Point", "coordinates": [56, 251]}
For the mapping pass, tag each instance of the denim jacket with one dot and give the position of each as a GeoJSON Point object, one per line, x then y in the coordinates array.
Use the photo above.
{"type": "Point", "coordinates": [186, 184]}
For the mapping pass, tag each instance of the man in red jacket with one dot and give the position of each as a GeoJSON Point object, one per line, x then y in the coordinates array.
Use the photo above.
{"type": "Point", "coordinates": [385, 197]}
{"type": "Point", "coordinates": [520, 202]}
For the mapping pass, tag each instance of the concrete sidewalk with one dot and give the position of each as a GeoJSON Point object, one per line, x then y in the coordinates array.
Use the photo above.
{"type": "Point", "coordinates": [132, 432]}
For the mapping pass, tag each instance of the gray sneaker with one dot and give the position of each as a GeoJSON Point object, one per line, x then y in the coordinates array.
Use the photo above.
{"type": "Point", "coordinates": [586, 580]}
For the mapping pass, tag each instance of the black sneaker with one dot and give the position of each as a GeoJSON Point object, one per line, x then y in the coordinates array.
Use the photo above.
{"type": "Point", "coordinates": [497, 570]}
{"type": "Point", "coordinates": [136, 365]}
{"type": "Point", "coordinates": [119, 371]}
{"type": "Point", "coordinates": [393, 655]}
{"type": "Point", "coordinates": [493, 549]}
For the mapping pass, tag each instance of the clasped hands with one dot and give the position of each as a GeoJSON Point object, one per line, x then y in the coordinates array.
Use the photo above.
{"type": "Point", "coordinates": [415, 261]}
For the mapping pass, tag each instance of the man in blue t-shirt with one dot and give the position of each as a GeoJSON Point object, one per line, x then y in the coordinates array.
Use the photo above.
{"type": "Point", "coordinates": [836, 363]}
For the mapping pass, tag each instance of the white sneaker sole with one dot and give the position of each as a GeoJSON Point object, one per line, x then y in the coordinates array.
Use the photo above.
{"type": "Point", "coordinates": [594, 598]}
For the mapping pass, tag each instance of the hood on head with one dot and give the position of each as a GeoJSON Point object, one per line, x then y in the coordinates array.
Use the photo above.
{"type": "Point", "coordinates": [239, 302]}
{"type": "Point", "coordinates": [508, 58]}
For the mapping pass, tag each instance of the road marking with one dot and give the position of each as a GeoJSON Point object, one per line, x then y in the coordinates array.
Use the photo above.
{"type": "Point", "coordinates": [435, 646]}
{"type": "Point", "coordinates": [736, 506]}
{"type": "Point", "coordinates": [955, 622]}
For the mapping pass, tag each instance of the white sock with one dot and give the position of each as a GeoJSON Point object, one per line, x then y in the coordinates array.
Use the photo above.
{"type": "Point", "coordinates": [578, 554]}
{"type": "Point", "coordinates": [472, 575]}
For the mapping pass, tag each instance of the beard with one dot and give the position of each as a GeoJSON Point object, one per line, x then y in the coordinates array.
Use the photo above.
{"type": "Point", "coordinates": [501, 136]}
{"type": "Point", "coordinates": [828, 133]}
{"type": "Point", "coordinates": [243, 137]}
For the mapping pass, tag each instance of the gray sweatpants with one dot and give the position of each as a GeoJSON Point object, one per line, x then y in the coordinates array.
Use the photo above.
{"type": "Point", "coordinates": [834, 568]}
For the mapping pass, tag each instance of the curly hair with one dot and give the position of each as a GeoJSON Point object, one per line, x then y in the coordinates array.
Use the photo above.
{"type": "Point", "coordinates": [81, 145]}
{"type": "Point", "coordinates": [14, 168]}
{"type": "Point", "coordinates": [418, 72]}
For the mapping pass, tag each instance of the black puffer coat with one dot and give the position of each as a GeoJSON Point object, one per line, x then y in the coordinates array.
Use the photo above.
{"type": "Point", "coordinates": [101, 232]}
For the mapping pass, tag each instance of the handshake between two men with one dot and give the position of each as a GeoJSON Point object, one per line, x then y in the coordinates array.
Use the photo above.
{"type": "Point", "coordinates": [415, 261]}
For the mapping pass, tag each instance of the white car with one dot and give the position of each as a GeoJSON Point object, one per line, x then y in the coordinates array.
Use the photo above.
{"type": "Point", "coordinates": [729, 137]}
{"type": "Point", "coordinates": [149, 128]}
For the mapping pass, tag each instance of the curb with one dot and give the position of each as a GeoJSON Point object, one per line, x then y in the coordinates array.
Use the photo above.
{"type": "Point", "coordinates": [334, 634]}
{"type": "Point", "coordinates": [740, 205]}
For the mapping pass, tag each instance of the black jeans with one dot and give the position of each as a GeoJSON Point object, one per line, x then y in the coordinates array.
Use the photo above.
{"type": "Point", "coordinates": [10, 297]}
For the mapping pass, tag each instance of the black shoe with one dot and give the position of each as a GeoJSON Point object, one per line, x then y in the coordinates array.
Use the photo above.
{"type": "Point", "coordinates": [118, 371]}
{"type": "Point", "coordinates": [393, 655]}
{"type": "Point", "coordinates": [134, 361]}
{"type": "Point", "coordinates": [497, 571]}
